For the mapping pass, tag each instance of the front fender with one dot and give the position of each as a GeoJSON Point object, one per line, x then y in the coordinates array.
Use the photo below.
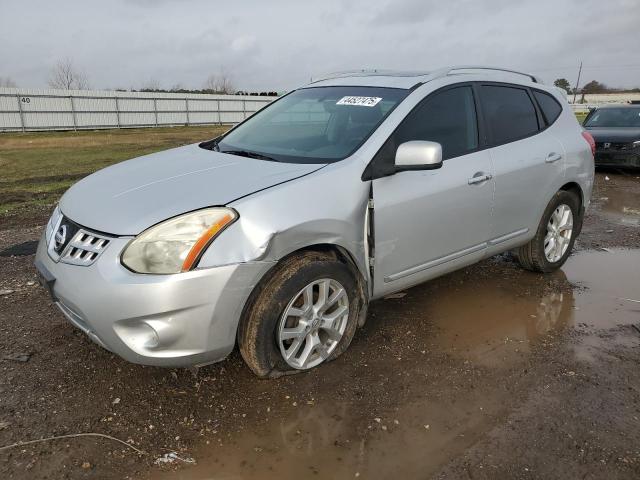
{"type": "Point", "coordinates": [327, 207]}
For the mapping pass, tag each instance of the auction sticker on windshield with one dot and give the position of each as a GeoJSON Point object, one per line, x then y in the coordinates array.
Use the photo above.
{"type": "Point", "coordinates": [359, 101]}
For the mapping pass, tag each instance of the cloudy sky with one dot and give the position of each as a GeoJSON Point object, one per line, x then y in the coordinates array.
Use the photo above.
{"type": "Point", "coordinates": [279, 44]}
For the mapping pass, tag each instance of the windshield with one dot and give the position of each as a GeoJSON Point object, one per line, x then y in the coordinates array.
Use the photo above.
{"type": "Point", "coordinates": [614, 117]}
{"type": "Point", "coordinates": [313, 125]}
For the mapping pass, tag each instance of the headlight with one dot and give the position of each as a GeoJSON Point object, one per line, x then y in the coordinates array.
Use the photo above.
{"type": "Point", "coordinates": [52, 223]}
{"type": "Point", "coordinates": [176, 245]}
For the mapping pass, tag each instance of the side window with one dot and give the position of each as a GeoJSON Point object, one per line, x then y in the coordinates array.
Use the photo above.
{"type": "Point", "coordinates": [447, 117]}
{"type": "Point", "coordinates": [550, 107]}
{"type": "Point", "coordinates": [508, 112]}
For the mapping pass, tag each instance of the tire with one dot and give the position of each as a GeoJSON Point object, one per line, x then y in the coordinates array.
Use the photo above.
{"type": "Point", "coordinates": [259, 332]}
{"type": "Point", "coordinates": [532, 256]}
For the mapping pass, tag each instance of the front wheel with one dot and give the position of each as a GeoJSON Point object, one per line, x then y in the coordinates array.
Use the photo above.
{"type": "Point", "coordinates": [304, 314]}
{"type": "Point", "coordinates": [556, 233]}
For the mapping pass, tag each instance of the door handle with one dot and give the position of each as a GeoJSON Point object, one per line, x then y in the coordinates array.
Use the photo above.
{"type": "Point", "coordinates": [479, 178]}
{"type": "Point", "coordinates": [553, 157]}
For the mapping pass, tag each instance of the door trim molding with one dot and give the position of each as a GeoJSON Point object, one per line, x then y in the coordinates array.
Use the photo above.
{"type": "Point", "coordinates": [435, 262]}
{"type": "Point", "coordinates": [508, 236]}
{"type": "Point", "coordinates": [454, 256]}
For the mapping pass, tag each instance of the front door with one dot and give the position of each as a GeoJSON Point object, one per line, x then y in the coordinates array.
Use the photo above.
{"type": "Point", "coordinates": [428, 222]}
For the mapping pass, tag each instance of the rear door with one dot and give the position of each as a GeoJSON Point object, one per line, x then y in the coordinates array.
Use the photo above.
{"type": "Point", "coordinates": [431, 221]}
{"type": "Point", "coordinates": [527, 161]}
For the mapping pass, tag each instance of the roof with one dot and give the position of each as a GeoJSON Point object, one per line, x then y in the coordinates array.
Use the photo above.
{"type": "Point", "coordinates": [409, 79]}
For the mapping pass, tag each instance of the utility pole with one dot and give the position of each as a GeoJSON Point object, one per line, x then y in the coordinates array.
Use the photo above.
{"type": "Point", "coordinates": [575, 90]}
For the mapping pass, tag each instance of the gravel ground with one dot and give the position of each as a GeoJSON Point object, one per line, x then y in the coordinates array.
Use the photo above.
{"type": "Point", "coordinates": [489, 372]}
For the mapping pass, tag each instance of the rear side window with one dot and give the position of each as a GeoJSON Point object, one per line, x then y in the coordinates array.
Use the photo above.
{"type": "Point", "coordinates": [447, 117]}
{"type": "Point", "coordinates": [550, 107]}
{"type": "Point", "coordinates": [508, 112]}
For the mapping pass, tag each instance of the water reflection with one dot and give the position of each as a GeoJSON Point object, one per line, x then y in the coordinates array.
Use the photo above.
{"type": "Point", "coordinates": [312, 428]}
{"type": "Point", "coordinates": [623, 206]}
{"type": "Point", "coordinates": [486, 319]}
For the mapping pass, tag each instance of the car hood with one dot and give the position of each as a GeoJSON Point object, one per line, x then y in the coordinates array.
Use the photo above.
{"type": "Point", "coordinates": [618, 135]}
{"type": "Point", "coordinates": [131, 196]}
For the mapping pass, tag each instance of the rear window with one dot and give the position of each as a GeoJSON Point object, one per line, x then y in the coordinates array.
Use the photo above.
{"type": "Point", "coordinates": [550, 107]}
{"type": "Point", "coordinates": [509, 113]}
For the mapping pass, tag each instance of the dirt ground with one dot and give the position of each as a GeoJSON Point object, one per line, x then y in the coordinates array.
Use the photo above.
{"type": "Point", "coordinates": [489, 372]}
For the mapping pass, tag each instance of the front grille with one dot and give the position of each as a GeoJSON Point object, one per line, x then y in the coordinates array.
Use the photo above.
{"type": "Point", "coordinates": [84, 248]}
{"type": "Point", "coordinates": [74, 244]}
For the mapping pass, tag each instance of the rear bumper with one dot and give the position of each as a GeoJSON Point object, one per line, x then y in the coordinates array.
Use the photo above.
{"type": "Point", "coordinates": [607, 158]}
{"type": "Point", "coordinates": [165, 320]}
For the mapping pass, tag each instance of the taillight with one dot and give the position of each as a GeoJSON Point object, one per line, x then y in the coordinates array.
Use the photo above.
{"type": "Point", "coordinates": [592, 143]}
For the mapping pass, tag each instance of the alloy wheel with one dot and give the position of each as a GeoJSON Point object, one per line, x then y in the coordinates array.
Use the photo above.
{"type": "Point", "coordinates": [559, 231]}
{"type": "Point", "coordinates": [313, 323]}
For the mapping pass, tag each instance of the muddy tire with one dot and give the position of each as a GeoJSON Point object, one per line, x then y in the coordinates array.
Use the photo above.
{"type": "Point", "coordinates": [263, 326]}
{"type": "Point", "coordinates": [554, 240]}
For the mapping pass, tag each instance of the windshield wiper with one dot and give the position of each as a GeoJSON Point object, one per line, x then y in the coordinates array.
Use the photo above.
{"type": "Point", "coordinates": [211, 145]}
{"type": "Point", "coordinates": [248, 154]}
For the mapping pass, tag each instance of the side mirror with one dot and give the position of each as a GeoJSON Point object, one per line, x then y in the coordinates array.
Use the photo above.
{"type": "Point", "coordinates": [418, 155]}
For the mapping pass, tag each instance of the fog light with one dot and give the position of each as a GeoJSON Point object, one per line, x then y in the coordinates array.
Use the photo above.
{"type": "Point", "coordinates": [138, 336]}
{"type": "Point", "coordinates": [150, 338]}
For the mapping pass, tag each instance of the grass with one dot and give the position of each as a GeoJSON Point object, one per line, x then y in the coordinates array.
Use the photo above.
{"type": "Point", "coordinates": [581, 116]}
{"type": "Point", "coordinates": [38, 167]}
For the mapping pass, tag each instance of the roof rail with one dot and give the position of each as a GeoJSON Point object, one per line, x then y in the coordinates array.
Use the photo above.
{"type": "Point", "coordinates": [443, 72]}
{"type": "Point", "coordinates": [365, 72]}
{"type": "Point", "coordinates": [344, 73]}
{"type": "Point", "coordinates": [428, 76]}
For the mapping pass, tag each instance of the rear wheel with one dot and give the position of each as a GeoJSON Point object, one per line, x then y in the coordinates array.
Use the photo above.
{"type": "Point", "coordinates": [556, 233]}
{"type": "Point", "coordinates": [304, 314]}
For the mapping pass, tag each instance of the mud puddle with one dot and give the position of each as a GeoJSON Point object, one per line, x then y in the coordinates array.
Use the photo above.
{"type": "Point", "coordinates": [493, 320]}
{"type": "Point", "coordinates": [486, 320]}
{"type": "Point", "coordinates": [489, 323]}
{"type": "Point", "coordinates": [609, 307]}
{"type": "Point", "coordinates": [622, 206]}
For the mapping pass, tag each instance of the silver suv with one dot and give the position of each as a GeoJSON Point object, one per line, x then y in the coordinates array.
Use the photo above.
{"type": "Point", "coordinates": [278, 234]}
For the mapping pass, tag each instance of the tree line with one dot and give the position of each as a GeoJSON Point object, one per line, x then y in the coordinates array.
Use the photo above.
{"type": "Point", "coordinates": [591, 87]}
{"type": "Point", "coordinates": [65, 75]}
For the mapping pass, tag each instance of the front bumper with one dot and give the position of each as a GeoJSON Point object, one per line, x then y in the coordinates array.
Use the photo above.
{"type": "Point", "coordinates": [608, 158]}
{"type": "Point", "coordinates": [165, 320]}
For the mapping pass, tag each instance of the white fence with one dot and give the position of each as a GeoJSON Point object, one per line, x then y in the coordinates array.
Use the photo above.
{"type": "Point", "coordinates": [592, 100]}
{"type": "Point", "coordinates": [42, 109]}
{"type": "Point", "coordinates": [35, 109]}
